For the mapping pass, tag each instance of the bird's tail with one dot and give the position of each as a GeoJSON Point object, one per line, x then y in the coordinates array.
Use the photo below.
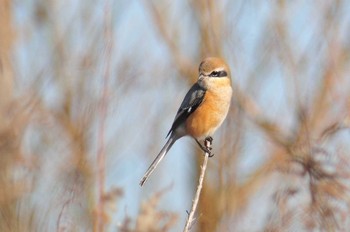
{"type": "Point", "coordinates": [157, 160]}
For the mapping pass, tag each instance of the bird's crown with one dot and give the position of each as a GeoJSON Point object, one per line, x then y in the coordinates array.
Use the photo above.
{"type": "Point", "coordinates": [213, 67]}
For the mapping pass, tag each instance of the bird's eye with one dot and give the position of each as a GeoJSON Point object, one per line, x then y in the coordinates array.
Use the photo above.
{"type": "Point", "coordinates": [218, 74]}
{"type": "Point", "coordinates": [214, 74]}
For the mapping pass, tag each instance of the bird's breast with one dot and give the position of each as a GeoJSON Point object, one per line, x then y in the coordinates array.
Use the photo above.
{"type": "Point", "coordinates": [211, 113]}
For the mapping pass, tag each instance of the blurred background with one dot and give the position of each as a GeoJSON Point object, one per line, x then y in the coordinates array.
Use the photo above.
{"type": "Point", "coordinates": [89, 89]}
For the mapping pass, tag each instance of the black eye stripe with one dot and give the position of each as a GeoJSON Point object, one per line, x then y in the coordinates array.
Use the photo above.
{"type": "Point", "coordinates": [218, 74]}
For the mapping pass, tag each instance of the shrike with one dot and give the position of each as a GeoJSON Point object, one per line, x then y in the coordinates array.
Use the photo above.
{"type": "Point", "coordinates": [203, 109]}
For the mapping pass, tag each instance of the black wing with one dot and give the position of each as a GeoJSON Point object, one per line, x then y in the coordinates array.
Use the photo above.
{"type": "Point", "coordinates": [192, 100]}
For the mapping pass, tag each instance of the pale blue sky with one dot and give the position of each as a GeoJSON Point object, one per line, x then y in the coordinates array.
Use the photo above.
{"type": "Point", "coordinates": [134, 35]}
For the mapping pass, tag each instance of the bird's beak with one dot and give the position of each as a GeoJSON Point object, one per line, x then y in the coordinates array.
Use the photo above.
{"type": "Point", "coordinates": [201, 76]}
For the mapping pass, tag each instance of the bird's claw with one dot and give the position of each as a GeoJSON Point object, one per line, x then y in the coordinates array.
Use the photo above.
{"type": "Point", "coordinates": [206, 147]}
{"type": "Point", "coordinates": [209, 139]}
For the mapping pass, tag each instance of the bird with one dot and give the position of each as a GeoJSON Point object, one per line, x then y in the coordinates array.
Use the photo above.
{"type": "Point", "coordinates": [203, 109]}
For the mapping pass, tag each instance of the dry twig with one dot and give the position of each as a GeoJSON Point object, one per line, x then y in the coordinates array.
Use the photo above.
{"type": "Point", "coordinates": [191, 218]}
{"type": "Point", "coordinates": [103, 114]}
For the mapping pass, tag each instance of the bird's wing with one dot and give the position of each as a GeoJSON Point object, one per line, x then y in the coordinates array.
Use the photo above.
{"type": "Point", "coordinates": [192, 100]}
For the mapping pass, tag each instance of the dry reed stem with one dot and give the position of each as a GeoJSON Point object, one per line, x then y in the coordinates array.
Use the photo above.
{"type": "Point", "coordinates": [101, 153]}
{"type": "Point", "coordinates": [191, 218]}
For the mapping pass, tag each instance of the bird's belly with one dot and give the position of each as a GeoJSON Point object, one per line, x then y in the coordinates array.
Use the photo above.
{"type": "Point", "coordinates": [204, 121]}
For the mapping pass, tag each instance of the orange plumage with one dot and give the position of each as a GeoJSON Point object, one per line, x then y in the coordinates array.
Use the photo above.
{"type": "Point", "coordinates": [203, 109]}
{"type": "Point", "coordinates": [211, 113]}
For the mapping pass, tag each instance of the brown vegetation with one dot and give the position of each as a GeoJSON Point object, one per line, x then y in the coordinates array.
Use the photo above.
{"type": "Point", "coordinates": [86, 87]}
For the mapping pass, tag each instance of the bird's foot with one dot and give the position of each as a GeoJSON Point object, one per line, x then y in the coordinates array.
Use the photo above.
{"type": "Point", "coordinates": [209, 139]}
{"type": "Point", "coordinates": [207, 148]}
{"type": "Point", "coordinates": [208, 142]}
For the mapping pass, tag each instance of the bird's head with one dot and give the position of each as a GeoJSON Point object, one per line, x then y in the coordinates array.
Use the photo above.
{"type": "Point", "coordinates": [214, 69]}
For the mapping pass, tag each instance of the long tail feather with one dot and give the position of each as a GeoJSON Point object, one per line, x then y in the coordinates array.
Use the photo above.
{"type": "Point", "coordinates": [157, 160]}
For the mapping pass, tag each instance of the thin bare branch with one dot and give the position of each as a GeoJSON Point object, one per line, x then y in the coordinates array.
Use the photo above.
{"type": "Point", "coordinates": [191, 218]}
{"type": "Point", "coordinates": [101, 154]}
